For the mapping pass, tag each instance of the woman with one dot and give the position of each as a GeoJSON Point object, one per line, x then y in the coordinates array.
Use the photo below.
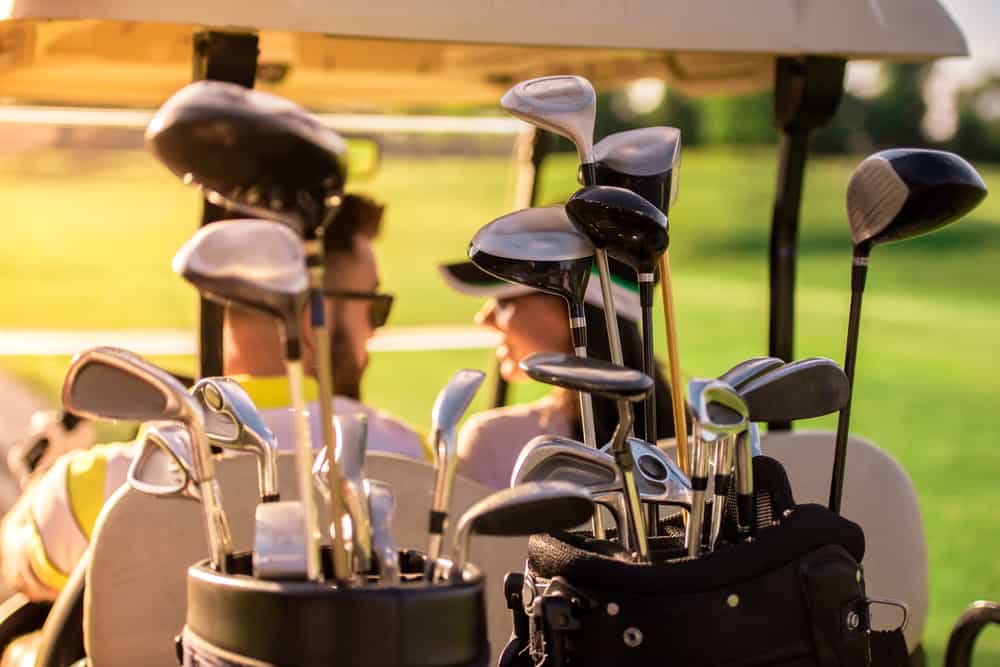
{"type": "Point", "coordinates": [529, 321]}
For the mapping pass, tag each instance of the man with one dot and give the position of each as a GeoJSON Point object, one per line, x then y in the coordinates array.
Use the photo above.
{"type": "Point", "coordinates": [48, 530]}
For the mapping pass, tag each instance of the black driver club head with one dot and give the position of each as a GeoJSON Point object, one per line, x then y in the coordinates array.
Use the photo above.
{"type": "Point", "coordinates": [800, 390]}
{"type": "Point", "coordinates": [644, 160]}
{"type": "Point", "coordinates": [905, 192]}
{"type": "Point", "coordinates": [538, 248]}
{"type": "Point", "coordinates": [258, 153]}
{"type": "Point", "coordinates": [627, 226]}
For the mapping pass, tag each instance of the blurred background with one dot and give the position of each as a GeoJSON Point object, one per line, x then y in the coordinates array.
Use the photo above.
{"type": "Point", "coordinates": [92, 221]}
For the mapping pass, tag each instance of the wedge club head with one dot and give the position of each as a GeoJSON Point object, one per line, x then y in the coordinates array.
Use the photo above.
{"type": "Point", "coordinates": [529, 508]}
{"type": "Point", "coordinates": [111, 383]}
{"type": "Point", "coordinates": [451, 403]}
{"type": "Point", "coordinates": [233, 422]}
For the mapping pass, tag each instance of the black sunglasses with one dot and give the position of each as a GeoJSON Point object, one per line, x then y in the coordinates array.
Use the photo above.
{"type": "Point", "coordinates": [381, 304]}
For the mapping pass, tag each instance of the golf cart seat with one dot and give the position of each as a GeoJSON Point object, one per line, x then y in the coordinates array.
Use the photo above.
{"type": "Point", "coordinates": [134, 602]}
{"type": "Point", "coordinates": [880, 496]}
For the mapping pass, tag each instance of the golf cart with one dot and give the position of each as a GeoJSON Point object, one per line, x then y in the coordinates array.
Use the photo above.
{"type": "Point", "coordinates": [359, 55]}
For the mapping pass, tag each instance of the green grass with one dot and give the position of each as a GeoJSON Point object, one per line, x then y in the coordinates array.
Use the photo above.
{"type": "Point", "coordinates": [89, 238]}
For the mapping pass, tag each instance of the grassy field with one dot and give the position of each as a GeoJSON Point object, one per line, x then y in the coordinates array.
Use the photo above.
{"type": "Point", "coordinates": [89, 237]}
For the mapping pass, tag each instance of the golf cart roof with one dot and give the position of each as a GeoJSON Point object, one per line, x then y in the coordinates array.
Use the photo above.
{"type": "Point", "coordinates": [386, 53]}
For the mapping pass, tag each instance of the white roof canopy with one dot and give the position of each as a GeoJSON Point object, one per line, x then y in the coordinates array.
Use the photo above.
{"type": "Point", "coordinates": [381, 53]}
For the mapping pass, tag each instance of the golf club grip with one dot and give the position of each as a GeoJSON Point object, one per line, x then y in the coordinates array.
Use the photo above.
{"type": "Point", "coordinates": [844, 420]}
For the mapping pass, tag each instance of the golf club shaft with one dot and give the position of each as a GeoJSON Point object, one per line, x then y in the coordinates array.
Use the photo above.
{"type": "Point", "coordinates": [342, 571]}
{"type": "Point", "coordinates": [699, 485]}
{"type": "Point", "coordinates": [590, 439]}
{"type": "Point", "coordinates": [744, 479]}
{"type": "Point", "coordinates": [676, 384]}
{"type": "Point", "coordinates": [859, 271]}
{"type": "Point", "coordinates": [723, 479]}
{"type": "Point", "coordinates": [649, 367]}
{"type": "Point", "coordinates": [219, 538]}
{"type": "Point", "coordinates": [626, 464]}
{"type": "Point", "coordinates": [303, 467]}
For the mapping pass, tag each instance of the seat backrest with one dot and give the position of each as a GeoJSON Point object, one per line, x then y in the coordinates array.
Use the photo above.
{"type": "Point", "coordinates": [142, 546]}
{"type": "Point", "coordinates": [879, 496]}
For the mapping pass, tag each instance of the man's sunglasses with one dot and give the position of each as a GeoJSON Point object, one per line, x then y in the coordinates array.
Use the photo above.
{"type": "Point", "coordinates": [381, 304]}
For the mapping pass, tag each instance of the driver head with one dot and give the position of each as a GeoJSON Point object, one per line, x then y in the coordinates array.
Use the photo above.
{"type": "Point", "coordinates": [536, 247]}
{"type": "Point", "coordinates": [645, 161]}
{"type": "Point", "coordinates": [258, 153]}
{"type": "Point", "coordinates": [904, 192]}
{"type": "Point", "coordinates": [627, 226]}
{"type": "Point", "coordinates": [565, 105]}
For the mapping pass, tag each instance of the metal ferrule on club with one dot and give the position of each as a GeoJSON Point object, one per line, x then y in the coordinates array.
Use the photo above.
{"type": "Point", "coordinates": [724, 451]}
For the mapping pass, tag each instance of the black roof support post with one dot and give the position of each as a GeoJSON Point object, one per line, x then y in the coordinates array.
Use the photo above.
{"type": "Point", "coordinates": [541, 141]}
{"type": "Point", "coordinates": [807, 92]}
{"type": "Point", "coordinates": [232, 57]}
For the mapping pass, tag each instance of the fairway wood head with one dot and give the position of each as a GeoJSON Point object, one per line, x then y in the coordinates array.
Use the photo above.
{"type": "Point", "coordinates": [565, 105]}
{"type": "Point", "coordinates": [589, 375]}
{"type": "Point", "coordinates": [745, 371]}
{"type": "Point", "coordinates": [538, 248]}
{"type": "Point", "coordinates": [800, 390]}
{"type": "Point", "coordinates": [626, 225]}
{"type": "Point", "coordinates": [233, 422]}
{"type": "Point", "coordinates": [534, 507]}
{"type": "Point", "coordinates": [555, 458]}
{"type": "Point", "coordinates": [162, 465]}
{"type": "Point", "coordinates": [256, 263]}
{"type": "Point", "coordinates": [382, 507]}
{"type": "Point", "coordinates": [900, 193]}
{"type": "Point", "coordinates": [645, 161]}
{"type": "Point", "coordinates": [255, 152]}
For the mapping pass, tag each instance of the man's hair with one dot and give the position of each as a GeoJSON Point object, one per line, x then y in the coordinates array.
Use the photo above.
{"type": "Point", "coordinates": [358, 216]}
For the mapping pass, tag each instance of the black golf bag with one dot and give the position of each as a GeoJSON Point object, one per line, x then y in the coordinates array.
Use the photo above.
{"type": "Point", "coordinates": [793, 596]}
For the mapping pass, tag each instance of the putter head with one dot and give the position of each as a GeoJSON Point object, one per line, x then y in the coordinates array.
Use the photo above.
{"type": "Point", "coordinates": [256, 263]}
{"type": "Point", "coordinates": [555, 458]}
{"type": "Point", "coordinates": [627, 226]}
{"type": "Point", "coordinates": [536, 247]}
{"type": "Point", "coordinates": [745, 371]}
{"type": "Point", "coordinates": [564, 104]}
{"type": "Point", "coordinates": [162, 465]}
{"type": "Point", "coordinates": [645, 161]}
{"type": "Point", "coordinates": [904, 192]}
{"type": "Point", "coordinates": [800, 390]}
{"type": "Point", "coordinates": [258, 153]}
{"type": "Point", "coordinates": [589, 375]}
{"type": "Point", "coordinates": [114, 384]}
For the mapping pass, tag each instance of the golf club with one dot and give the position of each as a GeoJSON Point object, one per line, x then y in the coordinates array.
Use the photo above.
{"type": "Point", "coordinates": [647, 162]}
{"type": "Point", "coordinates": [802, 389]}
{"type": "Point", "coordinates": [540, 248]}
{"type": "Point", "coordinates": [259, 265]}
{"type": "Point", "coordinates": [719, 412]}
{"type": "Point", "coordinates": [232, 422]}
{"type": "Point", "coordinates": [162, 465]}
{"type": "Point", "coordinates": [747, 370]}
{"type": "Point", "coordinates": [567, 106]}
{"type": "Point", "coordinates": [622, 385]}
{"type": "Point", "coordinates": [533, 507]}
{"type": "Point", "coordinates": [265, 156]}
{"type": "Point", "coordinates": [449, 406]}
{"type": "Point", "coordinates": [352, 443]}
{"type": "Point", "coordinates": [111, 383]}
{"type": "Point", "coordinates": [382, 507]}
{"type": "Point", "coordinates": [556, 458]}
{"type": "Point", "coordinates": [635, 232]}
{"type": "Point", "coordinates": [895, 195]}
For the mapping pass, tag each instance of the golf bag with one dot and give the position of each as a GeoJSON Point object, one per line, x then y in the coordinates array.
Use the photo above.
{"type": "Point", "coordinates": [793, 596]}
